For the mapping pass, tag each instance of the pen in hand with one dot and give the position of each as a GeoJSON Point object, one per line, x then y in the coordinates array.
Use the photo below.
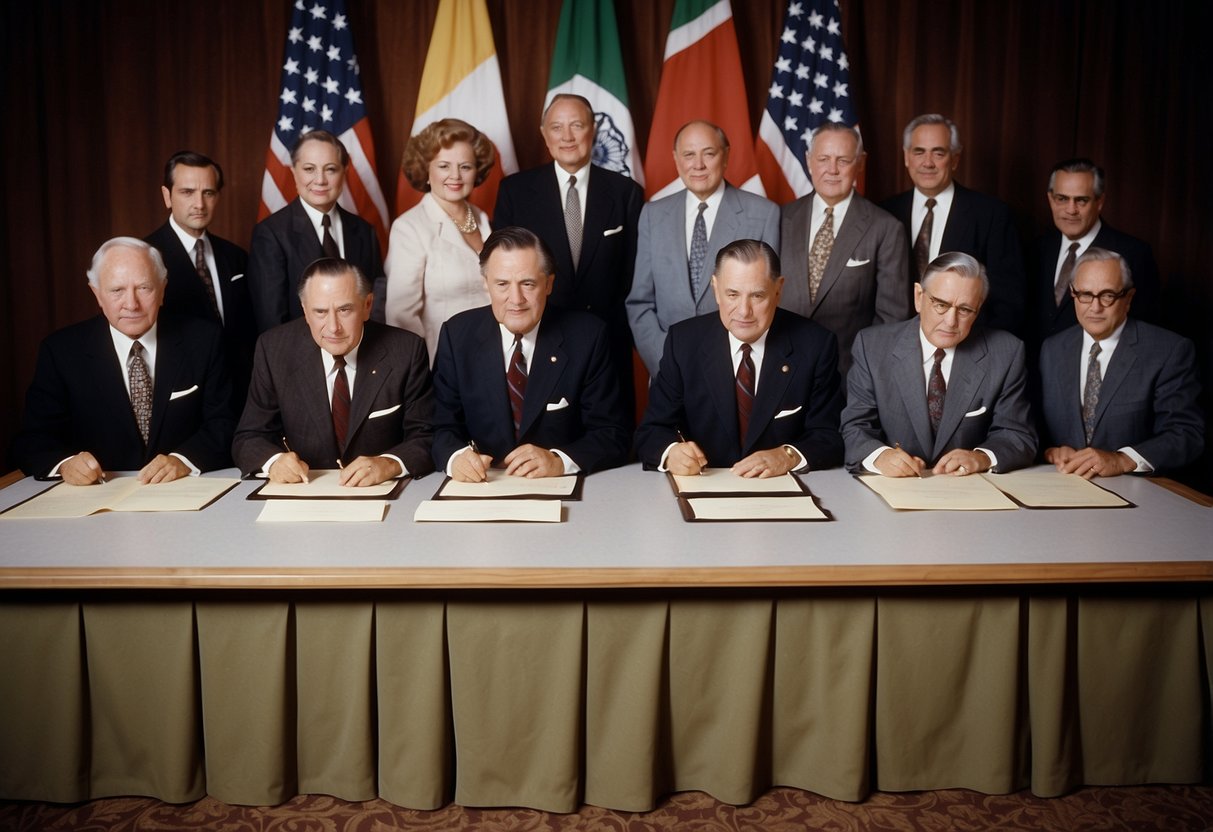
{"type": "Point", "coordinates": [476, 450]}
{"type": "Point", "coordinates": [917, 473]}
{"type": "Point", "coordinates": [683, 440]}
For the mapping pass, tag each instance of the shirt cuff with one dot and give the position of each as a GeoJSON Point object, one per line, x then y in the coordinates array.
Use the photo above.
{"type": "Point", "coordinates": [54, 472]}
{"type": "Point", "coordinates": [570, 467]}
{"type": "Point", "coordinates": [993, 459]}
{"type": "Point", "coordinates": [869, 461]}
{"type": "Point", "coordinates": [804, 461]}
{"type": "Point", "coordinates": [193, 468]}
{"type": "Point", "coordinates": [404, 472]}
{"type": "Point", "coordinates": [269, 463]}
{"type": "Point", "coordinates": [1143, 464]}
{"type": "Point", "coordinates": [661, 466]}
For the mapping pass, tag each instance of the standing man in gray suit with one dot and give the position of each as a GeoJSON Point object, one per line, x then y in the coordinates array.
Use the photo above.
{"type": "Point", "coordinates": [934, 391]}
{"type": "Point", "coordinates": [680, 235]}
{"type": "Point", "coordinates": [845, 261]}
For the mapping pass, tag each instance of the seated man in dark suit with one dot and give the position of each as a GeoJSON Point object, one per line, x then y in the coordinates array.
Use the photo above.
{"type": "Point", "coordinates": [312, 226]}
{"type": "Point", "coordinates": [337, 390]}
{"type": "Point", "coordinates": [936, 392]}
{"type": "Point", "coordinates": [940, 214]}
{"type": "Point", "coordinates": [750, 386]}
{"type": "Point", "coordinates": [521, 384]}
{"type": "Point", "coordinates": [129, 389]}
{"type": "Point", "coordinates": [1076, 198]}
{"type": "Point", "coordinates": [205, 272]}
{"type": "Point", "coordinates": [1120, 395]}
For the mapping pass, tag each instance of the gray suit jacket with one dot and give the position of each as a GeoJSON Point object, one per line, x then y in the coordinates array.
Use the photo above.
{"type": "Point", "coordinates": [867, 278]}
{"type": "Point", "coordinates": [1148, 399]}
{"type": "Point", "coordinates": [661, 286]}
{"type": "Point", "coordinates": [986, 405]}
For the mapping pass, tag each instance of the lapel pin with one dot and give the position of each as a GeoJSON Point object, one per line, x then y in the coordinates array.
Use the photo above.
{"type": "Point", "coordinates": [785, 368]}
{"type": "Point", "coordinates": [553, 359]}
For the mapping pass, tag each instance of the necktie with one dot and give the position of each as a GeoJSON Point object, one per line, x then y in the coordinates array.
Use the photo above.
{"type": "Point", "coordinates": [1090, 393]}
{"type": "Point", "coordinates": [341, 402]}
{"type": "Point", "coordinates": [204, 274]}
{"type": "Point", "coordinates": [141, 389]}
{"type": "Point", "coordinates": [819, 254]}
{"type": "Point", "coordinates": [328, 243]}
{"type": "Point", "coordinates": [572, 220]}
{"type": "Point", "coordinates": [1063, 277]}
{"type": "Point", "coordinates": [935, 392]}
{"type": "Point", "coordinates": [922, 245]}
{"type": "Point", "coordinates": [515, 379]}
{"type": "Point", "coordinates": [699, 250]}
{"type": "Point", "coordinates": [745, 392]}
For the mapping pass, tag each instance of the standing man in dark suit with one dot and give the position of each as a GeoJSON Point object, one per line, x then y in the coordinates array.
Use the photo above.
{"type": "Point", "coordinates": [312, 226]}
{"type": "Point", "coordinates": [586, 216]}
{"type": "Point", "coordinates": [1120, 395]}
{"type": "Point", "coordinates": [129, 389]}
{"type": "Point", "coordinates": [522, 384]}
{"type": "Point", "coordinates": [337, 390]}
{"type": "Point", "coordinates": [935, 392]}
{"type": "Point", "coordinates": [205, 272]}
{"type": "Point", "coordinates": [1076, 198]}
{"type": "Point", "coordinates": [752, 386]}
{"type": "Point", "coordinates": [940, 214]}
{"type": "Point", "coordinates": [845, 259]}
{"type": "Point", "coordinates": [681, 234]}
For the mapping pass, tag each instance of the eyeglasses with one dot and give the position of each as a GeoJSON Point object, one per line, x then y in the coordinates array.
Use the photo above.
{"type": "Point", "coordinates": [942, 307]}
{"type": "Point", "coordinates": [1106, 299]}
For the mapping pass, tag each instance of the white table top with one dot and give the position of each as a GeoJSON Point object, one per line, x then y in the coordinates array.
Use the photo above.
{"type": "Point", "coordinates": [625, 532]}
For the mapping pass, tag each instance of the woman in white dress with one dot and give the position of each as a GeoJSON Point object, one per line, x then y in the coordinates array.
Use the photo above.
{"type": "Point", "coordinates": [433, 266]}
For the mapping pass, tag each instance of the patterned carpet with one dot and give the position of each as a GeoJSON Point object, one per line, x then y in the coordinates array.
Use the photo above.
{"type": "Point", "coordinates": [1162, 808]}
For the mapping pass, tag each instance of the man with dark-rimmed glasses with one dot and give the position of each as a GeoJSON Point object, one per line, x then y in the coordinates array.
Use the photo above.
{"type": "Point", "coordinates": [1119, 395]}
{"type": "Point", "coordinates": [935, 391]}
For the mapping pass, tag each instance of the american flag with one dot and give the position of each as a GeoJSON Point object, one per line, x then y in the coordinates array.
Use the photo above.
{"type": "Point", "coordinates": [810, 85]}
{"type": "Point", "coordinates": [322, 89]}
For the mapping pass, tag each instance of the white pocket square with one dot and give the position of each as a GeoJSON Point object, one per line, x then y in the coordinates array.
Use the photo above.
{"type": "Point", "coordinates": [177, 394]}
{"type": "Point", "coordinates": [560, 405]}
{"type": "Point", "coordinates": [236, 277]}
{"type": "Point", "coordinates": [783, 413]}
{"type": "Point", "coordinates": [853, 262]}
{"type": "Point", "coordinates": [976, 412]}
{"type": "Point", "coordinates": [611, 231]}
{"type": "Point", "coordinates": [376, 414]}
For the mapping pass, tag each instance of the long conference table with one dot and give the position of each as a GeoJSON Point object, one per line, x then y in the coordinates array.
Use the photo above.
{"type": "Point", "coordinates": [617, 656]}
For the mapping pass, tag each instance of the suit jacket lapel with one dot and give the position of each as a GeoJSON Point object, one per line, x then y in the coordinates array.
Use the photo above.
{"type": "Point", "coordinates": [1065, 395]}
{"type": "Point", "coordinates": [548, 203]}
{"type": "Point", "coordinates": [1118, 368]}
{"type": "Point", "coordinates": [307, 244]}
{"type": "Point", "coordinates": [968, 373]}
{"type": "Point", "coordinates": [854, 226]}
{"type": "Point", "coordinates": [110, 375]}
{"type": "Point", "coordinates": [599, 207]}
{"type": "Point", "coordinates": [547, 365]}
{"type": "Point", "coordinates": [371, 376]}
{"type": "Point", "coordinates": [724, 231]}
{"type": "Point", "coordinates": [356, 245]}
{"type": "Point", "coordinates": [772, 384]}
{"type": "Point", "coordinates": [170, 358]}
{"type": "Point", "coordinates": [960, 218]}
{"type": "Point", "coordinates": [907, 370]}
{"type": "Point", "coordinates": [313, 394]}
{"type": "Point", "coordinates": [720, 382]}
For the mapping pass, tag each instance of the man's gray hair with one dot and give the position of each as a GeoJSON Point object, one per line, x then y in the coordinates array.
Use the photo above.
{"type": "Point", "coordinates": [1099, 255]}
{"type": "Point", "coordinates": [835, 127]}
{"type": "Point", "coordinates": [933, 118]}
{"type": "Point", "coordinates": [1079, 165]}
{"type": "Point", "coordinates": [334, 267]}
{"type": "Point", "coordinates": [965, 265]}
{"type": "Point", "coordinates": [94, 269]}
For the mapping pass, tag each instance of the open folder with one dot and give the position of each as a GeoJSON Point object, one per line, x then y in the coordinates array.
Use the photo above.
{"type": "Point", "coordinates": [122, 494]}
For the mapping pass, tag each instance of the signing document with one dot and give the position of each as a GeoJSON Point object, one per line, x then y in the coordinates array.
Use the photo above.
{"type": "Point", "coordinates": [724, 481]}
{"type": "Point", "coordinates": [122, 494]}
{"type": "Point", "coordinates": [500, 484]}
{"type": "Point", "coordinates": [939, 493]}
{"type": "Point", "coordinates": [324, 484]}
{"type": "Point", "coordinates": [322, 511]}
{"type": "Point", "coordinates": [1048, 488]}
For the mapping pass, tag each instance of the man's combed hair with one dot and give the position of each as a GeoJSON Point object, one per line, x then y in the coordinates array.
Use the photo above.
{"type": "Point", "coordinates": [94, 269]}
{"type": "Point", "coordinates": [1094, 254]}
{"type": "Point", "coordinates": [334, 267]}
{"type": "Point", "coordinates": [1079, 165]}
{"type": "Point", "coordinates": [191, 160]}
{"type": "Point", "coordinates": [965, 265]}
{"type": "Point", "coordinates": [954, 144]}
{"type": "Point", "coordinates": [751, 251]}
{"type": "Point", "coordinates": [325, 137]}
{"type": "Point", "coordinates": [516, 238]}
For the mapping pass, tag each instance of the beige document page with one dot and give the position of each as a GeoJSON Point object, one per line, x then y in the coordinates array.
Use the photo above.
{"type": "Point", "coordinates": [939, 493]}
{"type": "Point", "coordinates": [724, 481]}
{"type": "Point", "coordinates": [755, 508]}
{"type": "Point", "coordinates": [122, 494]}
{"type": "Point", "coordinates": [322, 511]}
{"type": "Point", "coordinates": [1052, 489]}
{"type": "Point", "coordinates": [501, 484]}
{"type": "Point", "coordinates": [487, 511]}
{"type": "Point", "coordinates": [323, 483]}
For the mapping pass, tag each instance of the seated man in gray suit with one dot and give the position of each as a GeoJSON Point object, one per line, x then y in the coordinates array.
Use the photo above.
{"type": "Point", "coordinates": [845, 260]}
{"type": "Point", "coordinates": [934, 391]}
{"type": "Point", "coordinates": [680, 235]}
{"type": "Point", "coordinates": [335, 390]}
{"type": "Point", "coordinates": [1119, 395]}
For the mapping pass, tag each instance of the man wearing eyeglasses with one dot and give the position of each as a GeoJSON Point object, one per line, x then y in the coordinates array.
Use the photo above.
{"type": "Point", "coordinates": [936, 393]}
{"type": "Point", "coordinates": [1119, 395]}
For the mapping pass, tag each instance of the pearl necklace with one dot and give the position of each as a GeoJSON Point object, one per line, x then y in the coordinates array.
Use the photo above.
{"type": "Point", "coordinates": [468, 225]}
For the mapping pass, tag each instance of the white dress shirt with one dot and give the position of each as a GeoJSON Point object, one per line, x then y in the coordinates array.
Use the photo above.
{"type": "Point", "coordinates": [189, 241]}
{"type": "Point", "coordinates": [334, 225]}
{"type": "Point", "coordinates": [709, 216]}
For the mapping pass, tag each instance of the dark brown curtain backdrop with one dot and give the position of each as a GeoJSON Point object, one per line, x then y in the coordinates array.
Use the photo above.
{"type": "Point", "coordinates": [100, 92]}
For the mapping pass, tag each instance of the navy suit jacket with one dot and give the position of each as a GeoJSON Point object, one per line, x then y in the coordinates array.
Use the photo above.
{"type": "Point", "coordinates": [1147, 401]}
{"type": "Point", "coordinates": [986, 405]}
{"type": "Point", "coordinates": [603, 276]}
{"type": "Point", "coordinates": [184, 294]}
{"type": "Point", "coordinates": [797, 400]}
{"type": "Point", "coordinates": [78, 400]}
{"type": "Point", "coordinates": [285, 243]}
{"type": "Point", "coordinates": [390, 411]}
{"type": "Point", "coordinates": [1049, 319]}
{"type": "Point", "coordinates": [572, 396]}
{"type": "Point", "coordinates": [983, 227]}
{"type": "Point", "coordinates": [661, 287]}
